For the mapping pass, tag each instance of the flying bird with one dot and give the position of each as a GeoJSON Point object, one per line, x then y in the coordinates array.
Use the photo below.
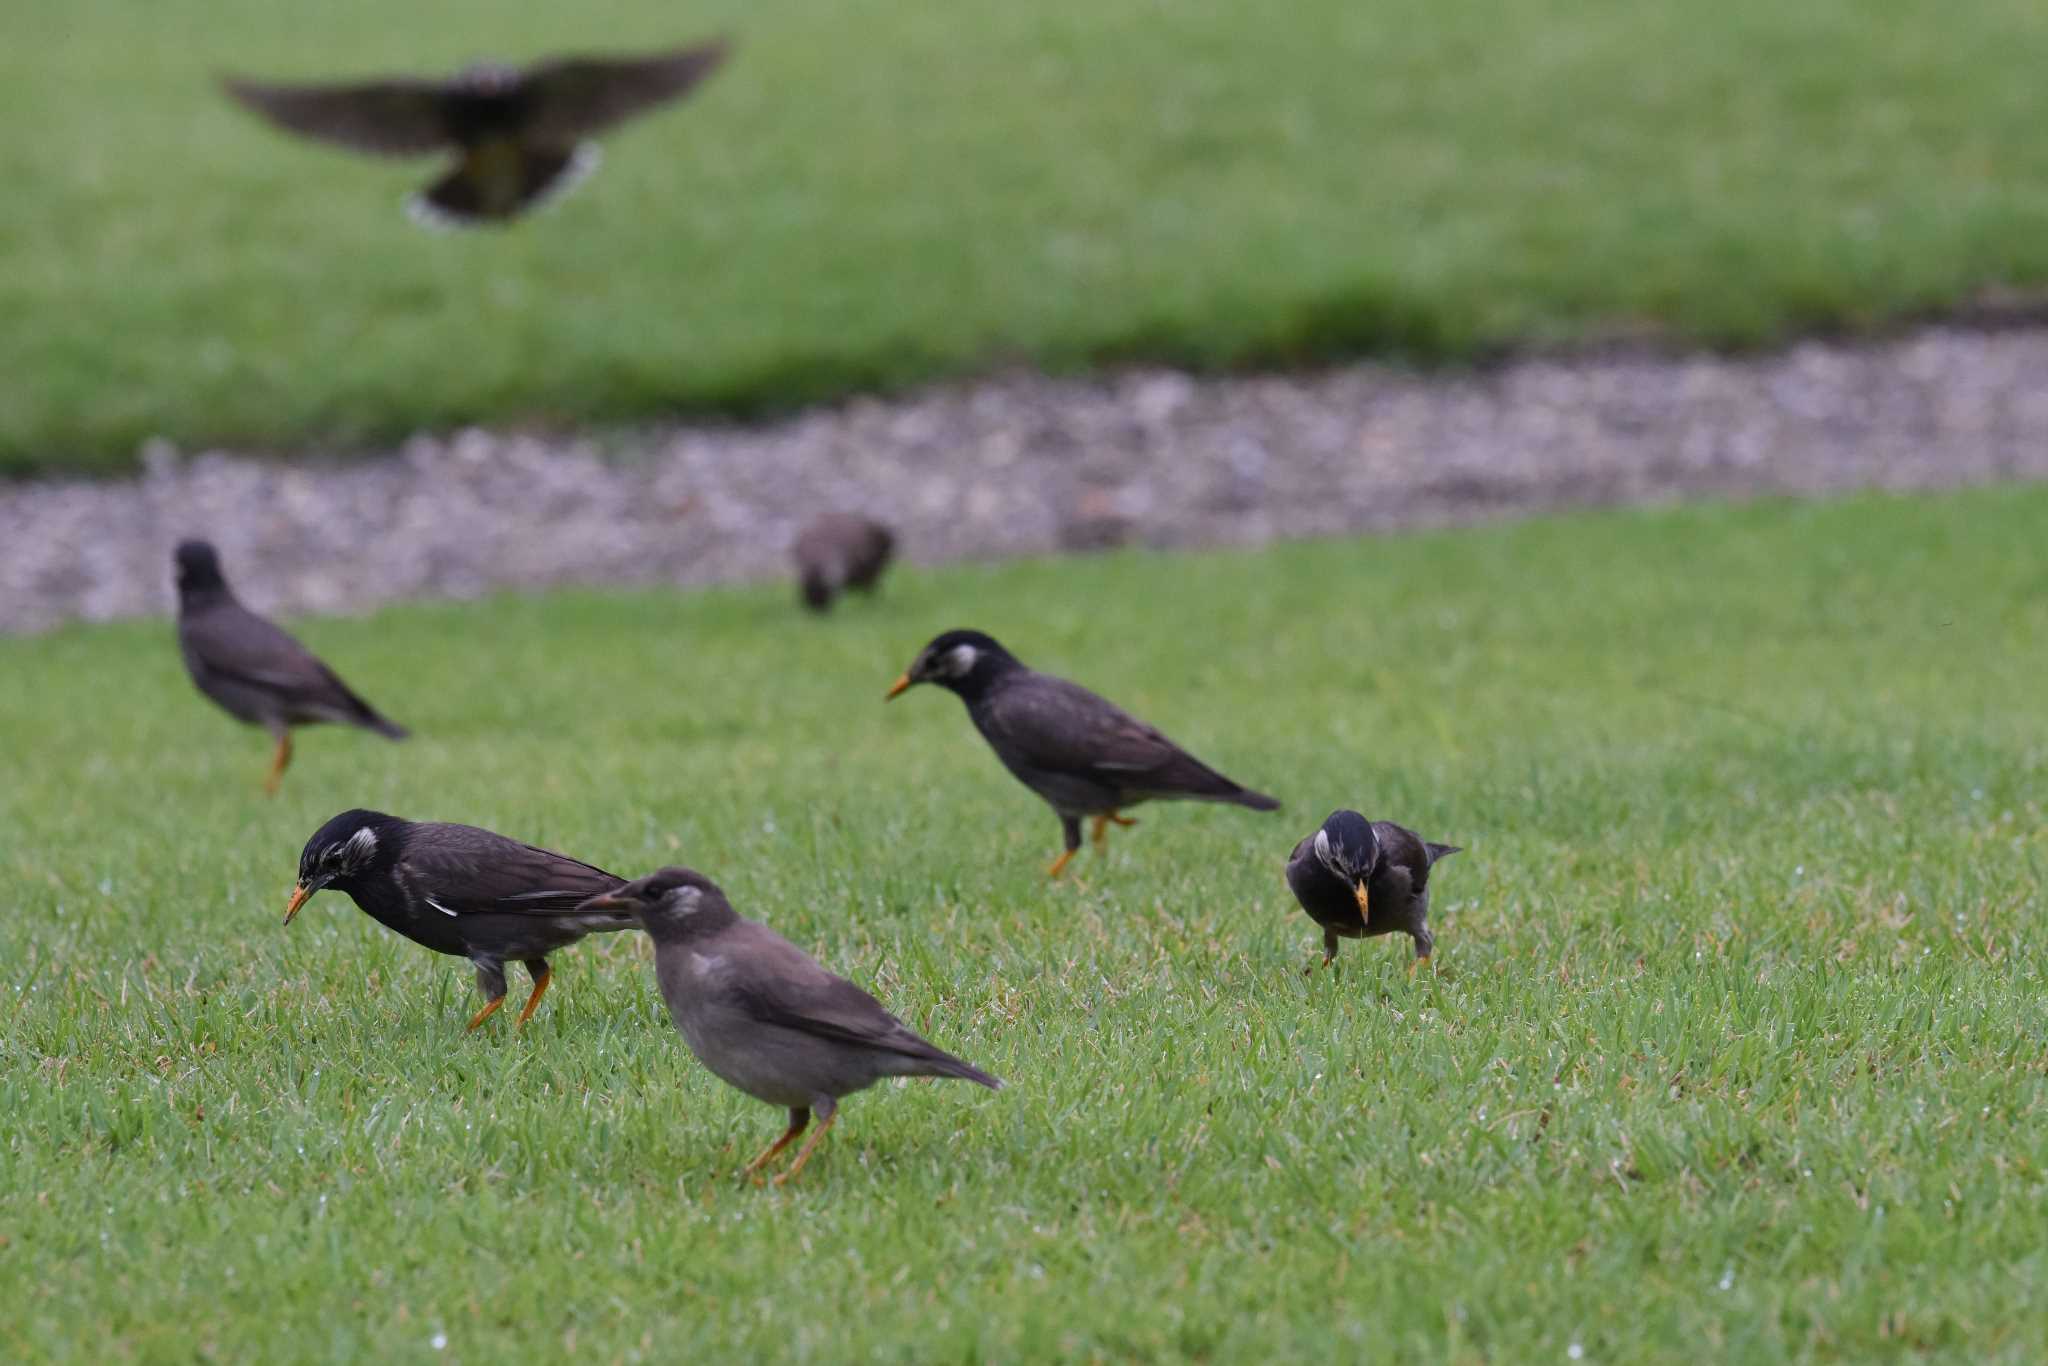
{"type": "Point", "coordinates": [459, 890]}
{"type": "Point", "coordinates": [837, 551]}
{"type": "Point", "coordinates": [763, 1016]}
{"type": "Point", "coordinates": [1082, 754]}
{"type": "Point", "coordinates": [1359, 879]}
{"type": "Point", "coordinates": [255, 671]}
{"type": "Point", "coordinates": [519, 134]}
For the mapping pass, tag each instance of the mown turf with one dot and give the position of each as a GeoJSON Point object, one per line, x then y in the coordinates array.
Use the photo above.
{"type": "Point", "coordinates": [873, 194]}
{"type": "Point", "coordinates": [1737, 1047]}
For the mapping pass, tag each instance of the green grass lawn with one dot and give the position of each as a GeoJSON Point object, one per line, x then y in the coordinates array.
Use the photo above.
{"type": "Point", "coordinates": [875, 194]}
{"type": "Point", "coordinates": [1737, 1048]}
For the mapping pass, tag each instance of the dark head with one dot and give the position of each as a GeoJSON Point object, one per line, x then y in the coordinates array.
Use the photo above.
{"type": "Point", "coordinates": [816, 587]}
{"type": "Point", "coordinates": [964, 661]}
{"type": "Point", "coordinates": [342, 851]}
{"type": "Point", "coordinates": [198, 568]}
{"type": "Point", "coordinates": [1348, 848]}
{"type": "Point", "coordinates": [675, 903]}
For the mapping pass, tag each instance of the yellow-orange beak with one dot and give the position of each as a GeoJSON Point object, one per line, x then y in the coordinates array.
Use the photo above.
{"type": "Point", "coordinates": [896, 688]}
{"type": "Point", "coordinates": [1364, 911]}
{"type": "Point", "coordinates": [298, 898]}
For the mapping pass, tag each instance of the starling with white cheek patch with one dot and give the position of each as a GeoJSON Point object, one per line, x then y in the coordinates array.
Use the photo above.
{"type": "Point", "coordinates": [519, 134]}
{"type": "Point", "coordinates": [839, 551]}
{"type": "Point", "coordinates": [252, 669]}
{"type": "Point", "coordinates": [1082, 754]}
{"type": "Point", "coordinates": [1359, 879]}
{"type": "Point", "coordinates": [763, 1016]}
{"type": "Point", "coordinates": [459, 890]}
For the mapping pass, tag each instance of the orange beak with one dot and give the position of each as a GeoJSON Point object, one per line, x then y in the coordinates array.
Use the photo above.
{"type": "Point", "coordinates": [896, 688]}
{"type": "Point", "coordinates": [300, 893]}
{"type": "Point", "coordinates": [1364, 911]}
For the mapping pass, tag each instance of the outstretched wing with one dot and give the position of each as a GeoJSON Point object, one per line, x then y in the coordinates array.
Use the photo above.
{"type": "Point", "coordinates": [1061, 727]}
{"type": "Point", "coordinates": [574, 97]}
{"type": "Point", "coordinates": [461, 870]}
{"type": "Point", "coordinates": [400, 117]}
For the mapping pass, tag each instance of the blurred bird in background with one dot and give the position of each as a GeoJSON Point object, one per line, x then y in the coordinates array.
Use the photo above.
{"type": "Point", "coordinates": [837, 551]}
{"type": "Point", "coordinates": [520, 134]}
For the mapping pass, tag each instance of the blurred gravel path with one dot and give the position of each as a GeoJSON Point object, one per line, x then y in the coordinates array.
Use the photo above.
{"type": "Point", "coordinates": [1024, 465]}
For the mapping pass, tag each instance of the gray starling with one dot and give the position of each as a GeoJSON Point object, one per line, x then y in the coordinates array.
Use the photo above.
{"type": "Point", "coordinates": [763, 1016]}
{"type": "Point", "coordinates": [519, 134]}
{"type": "Point", "coordinates": [255, 671]}
{"type": "Point", "coordinates": [839, 551]}
{"type": "Point", "coordinates": [1084, 755]}
{"type": "Point", "coordinates": [1359, 878]}
{"type": "Point", "coordinates": [459, 890]}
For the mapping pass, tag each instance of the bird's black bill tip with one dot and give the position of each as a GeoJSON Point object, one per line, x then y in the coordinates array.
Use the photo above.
{"type": "Point", "coordinates": [898, 688]}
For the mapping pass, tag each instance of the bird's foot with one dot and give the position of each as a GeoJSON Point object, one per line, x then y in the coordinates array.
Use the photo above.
{"type": "Point", "coordinates": [1059, 865]}
{"type": "Point", "coordinates": [1414, 965]}
{"type": "Point", "coordinates": [490, 1009]}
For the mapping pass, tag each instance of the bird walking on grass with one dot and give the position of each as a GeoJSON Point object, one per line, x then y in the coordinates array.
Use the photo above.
{"type": "Point", "coordinates": [763, 1016]}
{"type": "Point", "coordinates": [839, 551]}
{"type": "Point", "coordinates": [254, 670]}
{"type": "Point", "coordinates": [460, 890]}
{"type": "Point", "coordinates": [1359, 879]}
{"type": "Point", "coordinates": [519, 134]}
{"type": "Point", "coordinates": [1085, 756]}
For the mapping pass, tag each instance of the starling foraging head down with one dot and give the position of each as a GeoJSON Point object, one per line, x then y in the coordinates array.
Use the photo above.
{"type": "Point", "coordinates": [1083, 755]}
{"type": "Point", "coordinates": [459, 890]}
{"type": "Point", "coordinates": [1359, 878]}
{"type": "Point", "coordinates": [520, 135]}
{"type": "Point", "coordinates": [839, 551]}
{"type": "Point", "coordinates": [252, 669]}
{"type": "Point", "coordinates": [763, 1016]}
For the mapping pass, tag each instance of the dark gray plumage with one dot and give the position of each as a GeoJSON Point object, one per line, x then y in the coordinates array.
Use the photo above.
{"type": "Point", "coordinates": [837, 551]}
{"type": "Point", "coordinates": [1082, 753]}
{"type": "Point", "coordinates": [253, 669]}
{"type": "Point", "coordinates": [763, 1016]}
{"type": "Point", "coordinates": [1359, 879]}
{"type": "Point", "coordinates": [459, 890]}
{"type": "Point", "coordinates": [519, 134]}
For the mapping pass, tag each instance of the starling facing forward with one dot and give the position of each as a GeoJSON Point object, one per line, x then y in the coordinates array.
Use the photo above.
{"type": "Point", "coordinates": [839, 551]}
{"type": "Point", "coordinates": [255, 671]}
{"type": "Point", "coordinates": [520, 134]}
{"type": "Point", "coordinates": [459, 890]}
{"type": "Point", "coordinates": [763, 1016]}
{"type": "Point", "coordinates": [1359, 878]}
{"type": "Point", "coordinates": [1084, 755]}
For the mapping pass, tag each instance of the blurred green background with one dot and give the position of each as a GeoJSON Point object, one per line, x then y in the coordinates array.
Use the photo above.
{"type": "Point", "coordinates": [877, 194]}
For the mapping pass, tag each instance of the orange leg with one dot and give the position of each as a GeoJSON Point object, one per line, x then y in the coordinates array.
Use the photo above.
{"type": "Point", "coordinates": [540, 989]}
{"type": "Point", "coordinates": [1418, 962]}
{"type": "Point", "coordinates": [1099, 832]}
{"type": "Point", "coordinates": [798, 1120]}
{"type": "Point", "coordinates": [803, 1154]}
{"type": "Point", "coordinates": [490, 1009]}
{"type": "Point", "coordinates": [1059, 865]}
{"type": "Point", "coordinates": [278, 763]}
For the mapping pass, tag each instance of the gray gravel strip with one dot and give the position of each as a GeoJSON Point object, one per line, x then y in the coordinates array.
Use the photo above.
{"type": "Point", "coordinates": [1025, 465]}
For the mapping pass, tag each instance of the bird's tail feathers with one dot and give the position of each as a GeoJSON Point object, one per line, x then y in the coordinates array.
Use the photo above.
{"type": "Point", "coordinates": [1442, 851]}
{"type": "Point", "coordinates": [386, 727]}
{"type": "Point", "coordinates": [943, 1064]}
{"type": "Point", "coordinates": [1257, 801]}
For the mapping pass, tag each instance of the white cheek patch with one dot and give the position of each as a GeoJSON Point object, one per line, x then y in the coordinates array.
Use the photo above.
{"type": "Point", "coordinates": [1323, 847]}
{"type": "Point", "coordinates": [361, 845]}
{"type": "Point", "coordinates": [686, 900]}
{"type": "Point", "coordinates": [960, 660]}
